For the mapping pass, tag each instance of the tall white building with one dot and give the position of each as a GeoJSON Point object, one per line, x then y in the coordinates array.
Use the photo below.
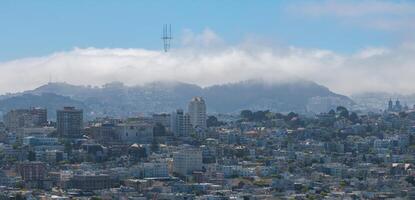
{"type": "Point", "coordinates": [180, 123]}
{"type": "Point", "coordinates": [187, 161]}
{"type": "Point", "coordinates": [197, 112]}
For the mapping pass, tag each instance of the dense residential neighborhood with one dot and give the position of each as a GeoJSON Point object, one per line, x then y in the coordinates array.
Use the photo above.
{"type": "Point", "coordinates": [188, 154]}
{"type": "Point", "coordinates": [207, 100]}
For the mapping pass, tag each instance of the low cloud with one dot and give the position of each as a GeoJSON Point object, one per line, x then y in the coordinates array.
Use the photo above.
{"type": "Point", "coordinates": [202, 61]}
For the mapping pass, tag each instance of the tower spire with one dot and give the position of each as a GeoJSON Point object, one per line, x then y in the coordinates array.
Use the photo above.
{"type": "Point", "coordinates": [166, 37]}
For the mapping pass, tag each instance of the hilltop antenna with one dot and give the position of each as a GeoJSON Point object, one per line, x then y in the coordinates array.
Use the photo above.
{"type": "Point", "coordinates": [166, 37]}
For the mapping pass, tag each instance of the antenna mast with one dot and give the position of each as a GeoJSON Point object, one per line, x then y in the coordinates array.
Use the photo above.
{"type": "Point", "coordinates": [166, 37]}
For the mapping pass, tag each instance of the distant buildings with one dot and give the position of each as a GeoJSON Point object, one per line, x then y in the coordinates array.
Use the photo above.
{"type": "Point", "coordinates": [197, 112]}
{"type": "Point", "coordinates": [69, 122]}
{"type": "Point", "coordinates": [154, 170]}
{"type": "Point", "coordinates": [397, 107]}
{"type": "Point", "coordinates": [34, 131]}
{"type": "Point", "coordinates": [89, 182]}
{"type": "Point", "coordinates": [327, 156]}
{"type": "Point", "coordinates": [135, 132]}
{"type": "Point", "coordinates": [163, 119]}
{"type": "Point", "coordinates": [32, 171]}
{"type": "Point", "coordinates": [103, 133]}
{"type": "Point", "coordinates": [180, 123]}
{"type": "Point", "coordinates": [40, 141]}
{"type": "Point", "coordinates": [25, 118]}
{"type": "Point", "coordinates": [187, 161]}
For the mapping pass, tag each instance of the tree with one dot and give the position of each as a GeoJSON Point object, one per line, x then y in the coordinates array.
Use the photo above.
{"type": "Point", "coordinates": [247, 115]}
{"type": "Point", "coordinates": [291, 115]}
{"type": "Point", "coordinates": [16, 145]}
{"type": "Point", "coordinates": [212, 121]}
{"type": "Point", "coordinates": [31, 156]}
{"type": "Point", "coordinates": [354, 118]}
{"type": "Point", "coordinates": [411, 180]}
{"type": "Point", "coordinates": [260, 115]}
{"type": "Point", "coordinates": [19, 196]}
{"type": "Point", "coordinates": [343, 112]}
{"type": "Point", "coordinates": [159, 130]}
{"type": "Point", "coordinates": [68, 146]}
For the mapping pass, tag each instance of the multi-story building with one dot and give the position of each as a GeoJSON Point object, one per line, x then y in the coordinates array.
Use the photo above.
{"type": "Point", "coordinates": [89, 182]}
{"type": "Point", "coordinates": [180, 123]}
{"type": "Point", "coordinates": [187, 161]}
{"type": "Point", "coordinates": [103, 133]}
{"type": "Point", "coordinates": [208, 154]}
{"type": "Point", "coordinates": [163, 119]}
{"type": "Point", "coordinates": [34, 131]}
{"type": "Point", "coordinates": [69, 122]}
{"type": "Point", "coordinates": [197, 112]}
{"type": "Point", "coordinates": [155, 170]}
{"type": "Point", "coordinates": [32, 171]}
{"type": "Point", "coordinates": [40, 141]}
{"type": "Point", "coordinates": [24, 118]}
{"type": "Point", "coordinates": [39, 116]}
{"type": "Point", "coordinates": [135, 132]}
{"type": "Point", "coordinates": [4, 179]}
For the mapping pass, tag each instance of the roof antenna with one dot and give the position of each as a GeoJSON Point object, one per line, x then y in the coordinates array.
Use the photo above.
{"type": "Point", "coordinates": [166, 37]}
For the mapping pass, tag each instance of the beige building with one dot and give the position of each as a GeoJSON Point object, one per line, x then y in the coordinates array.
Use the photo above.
{"type": "Point", "coordinates": [187, 160]}
{"type": "Point", "coordinates": [25, 118]}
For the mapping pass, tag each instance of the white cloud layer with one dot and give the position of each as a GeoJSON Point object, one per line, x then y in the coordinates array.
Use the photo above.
{"type": "Point", "coordinates": [205, 60]}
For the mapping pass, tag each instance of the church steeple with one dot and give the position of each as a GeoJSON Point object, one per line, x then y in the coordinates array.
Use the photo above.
{"type": "Point", "coordinates": [390, 105]}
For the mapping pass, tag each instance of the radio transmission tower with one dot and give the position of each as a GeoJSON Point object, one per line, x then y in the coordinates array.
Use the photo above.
{"type": "Point", "coordinates": [166, 37]}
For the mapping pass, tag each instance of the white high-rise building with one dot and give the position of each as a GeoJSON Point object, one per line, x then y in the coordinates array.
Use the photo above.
{"type": "Point", "coordinates": [197, 112]}
{"type": "Point", "coordinates": [180, 123]}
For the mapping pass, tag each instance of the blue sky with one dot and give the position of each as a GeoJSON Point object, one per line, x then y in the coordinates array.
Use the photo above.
{"type": "Point", "coordinates": [35, 28]}
{"type": "Point", "coordinates": [93, 42]}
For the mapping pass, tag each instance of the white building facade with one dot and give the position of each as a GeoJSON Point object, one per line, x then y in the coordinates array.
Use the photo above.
{"type": "Point", "coordinates": [197, 112]}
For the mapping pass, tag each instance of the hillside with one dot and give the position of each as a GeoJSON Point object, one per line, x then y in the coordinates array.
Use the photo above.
{"type": "Point", "coordinates": [120, 100]}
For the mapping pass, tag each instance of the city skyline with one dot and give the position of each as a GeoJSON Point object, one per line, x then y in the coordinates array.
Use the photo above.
{"type": "Point", "coordinates": [207, 100]}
